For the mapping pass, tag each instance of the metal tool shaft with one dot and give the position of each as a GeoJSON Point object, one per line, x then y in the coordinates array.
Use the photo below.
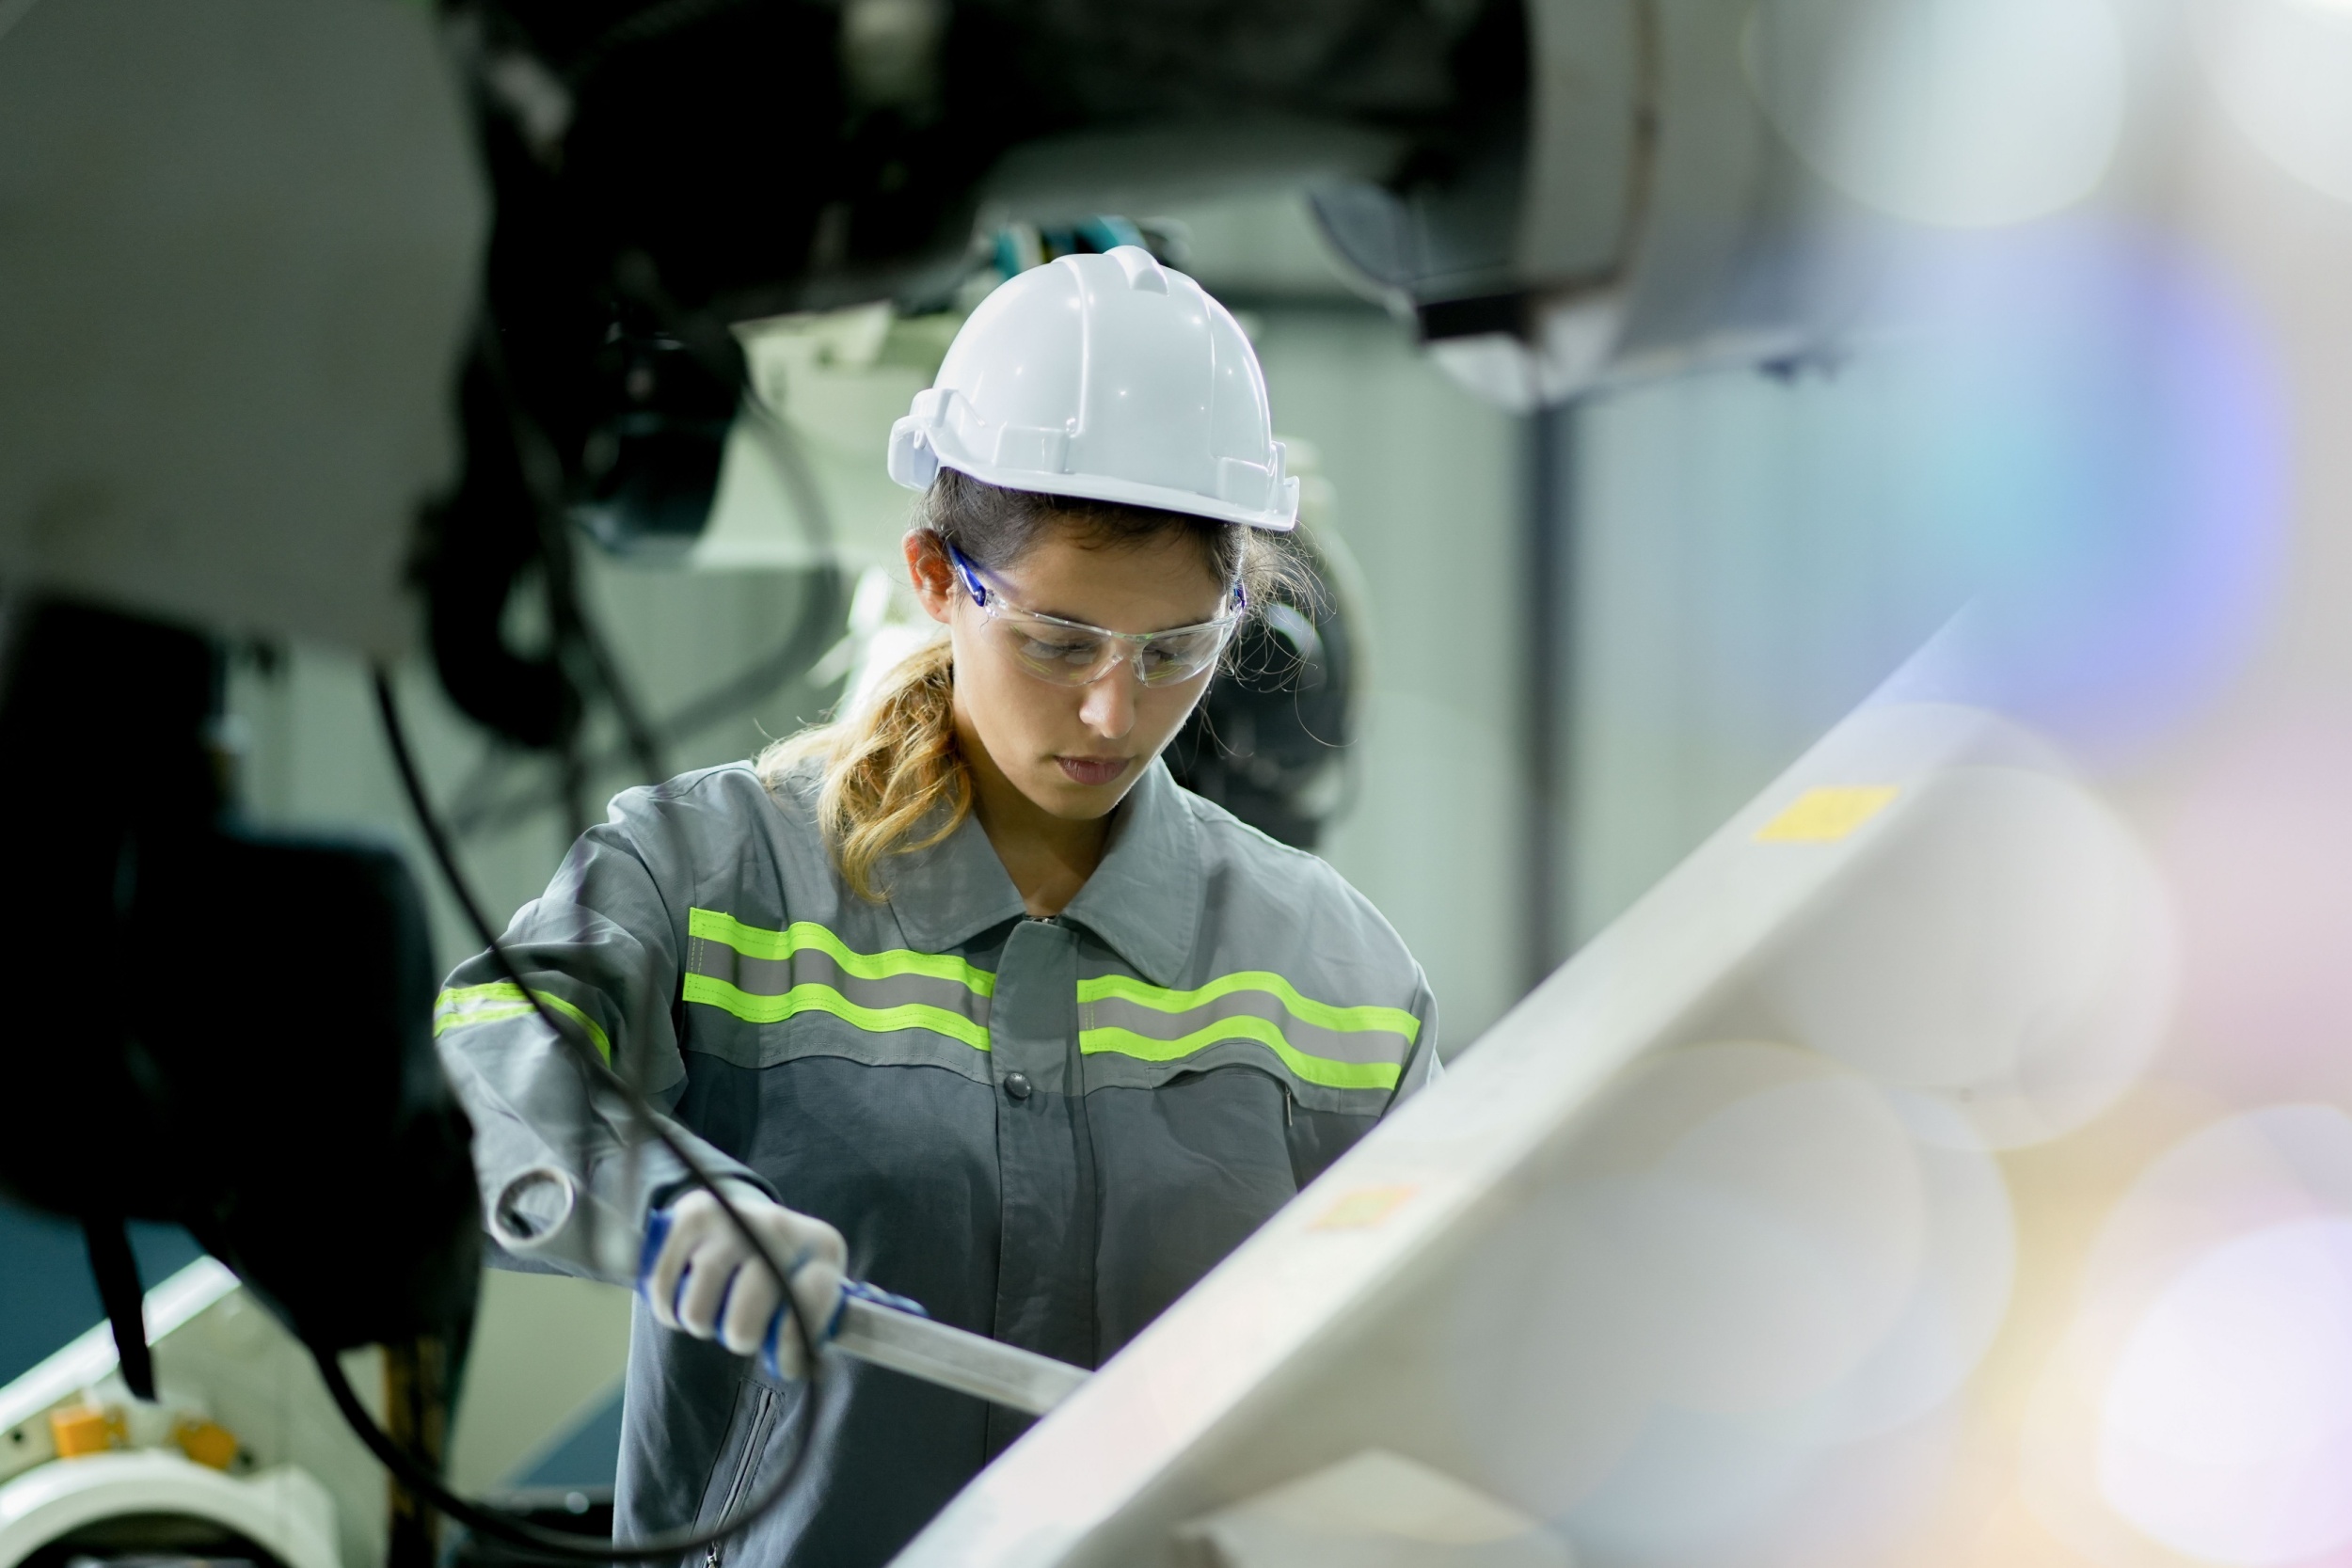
{"type": "Point", "coordinates": [954, 1358]}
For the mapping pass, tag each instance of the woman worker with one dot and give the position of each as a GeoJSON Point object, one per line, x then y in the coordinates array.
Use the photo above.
{"type": "Point", "coordinates": [962, 993]}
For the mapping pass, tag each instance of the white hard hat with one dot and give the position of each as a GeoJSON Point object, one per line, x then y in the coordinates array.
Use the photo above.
{"type": "Point", "coordinates": [1108, 378]}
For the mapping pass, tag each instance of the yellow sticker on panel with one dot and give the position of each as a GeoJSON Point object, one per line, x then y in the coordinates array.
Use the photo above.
{"type": "Point", "coordinates": [1827, 815]}
{"type": "Point", "coordinates": [1363, 1209]}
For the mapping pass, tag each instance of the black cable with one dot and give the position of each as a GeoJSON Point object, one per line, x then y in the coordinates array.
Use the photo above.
{"type": "Point", "coordinates": [420, 1478]}
{"type": "Point", "coordinates": [825, 600]}
{"type": "Point", "coordinates": [574, 630]}
{"type": "Point", "coordinates": [713, 344]}
{"type": "Point", "coordinates": [642, 740]}
{"type": "Point", "coordinates": [813, 633]}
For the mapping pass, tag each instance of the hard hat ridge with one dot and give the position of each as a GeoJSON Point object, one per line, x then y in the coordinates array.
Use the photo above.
{"type": "Point", "coordinates": [1110, 378]}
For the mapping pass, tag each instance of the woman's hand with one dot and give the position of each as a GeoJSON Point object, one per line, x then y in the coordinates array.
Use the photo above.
{"type": "Point", "coordinates": [708, 1282]}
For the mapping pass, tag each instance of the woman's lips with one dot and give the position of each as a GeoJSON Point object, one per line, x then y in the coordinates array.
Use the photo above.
{"type": "Point", "coordinates": [1093, 770]}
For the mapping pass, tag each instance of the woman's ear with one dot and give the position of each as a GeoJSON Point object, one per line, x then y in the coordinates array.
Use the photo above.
{"type": "Point", "coordinates": [934, 576]}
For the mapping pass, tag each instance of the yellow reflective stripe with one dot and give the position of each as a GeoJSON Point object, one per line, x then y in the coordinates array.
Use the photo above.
{"type": "Point", "coordinates": [1315, 1070]}
{"type": "Point", "coordinates": [456, 1009]}
{"type": "Point", "coordinates": [812, 998]}
{"type": "Point", "coordinates": [458, 996]}
{"type": "Point", "coordinates": [480, 1015]}
{"type": "Point", "coordinates": [1306, 1009]}
{"type": "Point", "coordinates": [754, 941]}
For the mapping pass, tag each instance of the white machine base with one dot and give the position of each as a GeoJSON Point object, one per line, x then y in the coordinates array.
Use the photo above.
{"type": "Point", "coordinates": [281, 1510]}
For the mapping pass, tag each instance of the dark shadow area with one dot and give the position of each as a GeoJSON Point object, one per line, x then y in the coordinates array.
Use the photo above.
{"type": "Point", "coordinates": [46, 1293]}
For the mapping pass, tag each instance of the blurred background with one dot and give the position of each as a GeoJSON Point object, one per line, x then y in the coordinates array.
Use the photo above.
{"type": "Point", "coordinates": [2039, 306]}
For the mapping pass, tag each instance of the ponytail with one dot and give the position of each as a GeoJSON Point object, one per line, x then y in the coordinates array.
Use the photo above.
{"type": "Point", "coordinates": [888, 769]}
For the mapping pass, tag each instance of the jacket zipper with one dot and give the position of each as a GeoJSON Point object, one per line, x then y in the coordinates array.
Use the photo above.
{"type": "Point", "coordinates": [754, 1443]}
{"type": "Point", "coordinates": [1287, 1102]}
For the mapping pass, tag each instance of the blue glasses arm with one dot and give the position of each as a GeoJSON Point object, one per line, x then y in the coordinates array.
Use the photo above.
{"type": "Point", "coordinates": [970, 577]}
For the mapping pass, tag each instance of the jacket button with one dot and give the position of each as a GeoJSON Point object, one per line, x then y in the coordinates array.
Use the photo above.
{"type": "Point", "coordinates": [1017, 1085]}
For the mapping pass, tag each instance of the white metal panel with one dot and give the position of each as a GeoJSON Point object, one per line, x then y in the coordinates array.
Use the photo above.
{"type": "Point", "coordinates": [1435, 1281]}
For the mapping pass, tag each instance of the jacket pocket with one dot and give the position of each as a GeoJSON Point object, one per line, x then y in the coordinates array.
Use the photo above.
{"type": "Point", "coordinates": [755, 1419]}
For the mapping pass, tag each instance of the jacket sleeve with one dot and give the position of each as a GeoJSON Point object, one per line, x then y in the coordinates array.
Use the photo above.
{"type": "Point", "coordinates": [566, 1179]}
{"type": "Point", "coordinates": [1424, 1067]}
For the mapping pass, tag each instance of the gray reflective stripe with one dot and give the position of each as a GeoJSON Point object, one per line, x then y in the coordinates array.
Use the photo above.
{"type": "Point", "coordinates": [1157, 1024]}
{"type": "Point", "coordinates": [775, 976]}
{"type": "Point", "coordinates": [1336, 1045]}
{"type": "Point", "coordinates": [765, 976]}
{"type": "Point", "coordinates": [1116, 1070]}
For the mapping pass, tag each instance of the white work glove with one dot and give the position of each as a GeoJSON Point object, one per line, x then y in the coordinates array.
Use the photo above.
{"type": "Point", "coordinates": [708, 1282]}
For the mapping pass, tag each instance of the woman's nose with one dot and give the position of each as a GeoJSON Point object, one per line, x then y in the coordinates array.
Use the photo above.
{"type": "Point", "coordinates": [1109, 707]}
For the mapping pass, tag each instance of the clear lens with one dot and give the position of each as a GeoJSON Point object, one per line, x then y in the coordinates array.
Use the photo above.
{"type": "Point", "coordinates": [1058, 653]}
{"type": "Point", "coordinates": [1072, 656]}
{"type": "Point", "coordinates": [1179, 656]}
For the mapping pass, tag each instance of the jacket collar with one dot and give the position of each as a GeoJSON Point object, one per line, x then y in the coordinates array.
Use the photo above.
{"type": "Point", "coordinates": [951, 893]}
{"type": "Point", "coordinates": [1143, 901]}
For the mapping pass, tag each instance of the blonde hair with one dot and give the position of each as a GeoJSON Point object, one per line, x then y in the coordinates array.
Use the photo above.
{"type": "Point", "coordinates": [894, 779]}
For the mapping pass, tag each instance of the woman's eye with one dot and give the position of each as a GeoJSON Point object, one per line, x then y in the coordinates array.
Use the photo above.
{"type": "Point", "coordinates": [1077, 651]}
{"type": "Point", "coordinates": [1160, 664]}
{"type": "Point", "coordinates": [1190, 652]}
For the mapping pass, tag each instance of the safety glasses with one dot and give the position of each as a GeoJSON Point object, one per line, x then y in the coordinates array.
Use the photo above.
{"type": "Point", "coordinates": [1071, 653]}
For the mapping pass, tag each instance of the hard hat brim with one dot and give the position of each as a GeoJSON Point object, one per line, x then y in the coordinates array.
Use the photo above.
{"type": "Point", "coordinates": [1160, 498]}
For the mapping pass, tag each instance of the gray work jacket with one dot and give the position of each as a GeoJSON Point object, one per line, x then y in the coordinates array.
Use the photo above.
{"type": "Point", "coordinates": [1043, 1130]}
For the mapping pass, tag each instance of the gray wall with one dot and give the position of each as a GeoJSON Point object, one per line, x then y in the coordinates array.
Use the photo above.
{"type": "Point", "coordinates": [1741, 578]}
{"type": "Point", "coordinates": [1431, 498]}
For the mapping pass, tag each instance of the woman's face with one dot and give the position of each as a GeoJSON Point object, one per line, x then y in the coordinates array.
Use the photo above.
{"type": "Point", "coordinates": [1074, 752]}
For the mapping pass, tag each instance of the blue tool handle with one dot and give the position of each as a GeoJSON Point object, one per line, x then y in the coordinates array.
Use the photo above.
{"type": "Point", "coordinates": [658, 1225]}
{"type": "Point", "coordinates": [879, 1296]}
{"type": "Point", "coordinates": [656, 1231]}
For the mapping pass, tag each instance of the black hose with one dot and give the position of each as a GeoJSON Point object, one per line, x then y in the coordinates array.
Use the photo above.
{"type": "Point", "coordinates": [815, 626]}
{"type": "Point", "coordinates": [413, 1473]}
